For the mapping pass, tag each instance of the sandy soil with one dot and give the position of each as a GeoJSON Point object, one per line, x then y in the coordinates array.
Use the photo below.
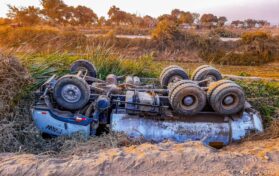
{"type": "Point", "coordinates": [190, 158]}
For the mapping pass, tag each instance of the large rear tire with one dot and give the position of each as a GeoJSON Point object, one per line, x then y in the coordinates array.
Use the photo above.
{"type": "Point", "coordinates": [173, 86]}
{"type": "Point", "coordinates": [188, 99]}
{"type": "Point", "coordinates": [71, 92]}
{"type": "Point", "coordinates": [198, 69]}
{"type": "Point", "coordinates": [167, 68]}
{"type": "Point", "coordinates": [85, 66]}
{"type": "Point", "coordinates": [227, 99]}
{"type": "Point", "coordinates": [214, 85]}
{"type": "Point", "coordinates": [207, 72]}
{"type": "Point", "coordinates": [172, 75]}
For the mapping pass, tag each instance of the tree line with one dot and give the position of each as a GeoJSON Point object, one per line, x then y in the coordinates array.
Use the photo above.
{"type": "Point", "coordinates": [56, 12]}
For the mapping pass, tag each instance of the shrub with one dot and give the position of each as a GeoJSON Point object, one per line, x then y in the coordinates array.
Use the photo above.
{"type": "Point", "coordinates": [264, 96]}
{"type": "Point", "coordinates": [249, 37]}
{"type": "Point", "coordinates": [40, 39]}
{"type": "Point", "coordinates": [166, 33]}
{"type": "Point", "coordinates": [256, 48]}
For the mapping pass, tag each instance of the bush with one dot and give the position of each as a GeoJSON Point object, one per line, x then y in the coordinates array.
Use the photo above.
{"type": "Point", "coordinates": [264, 96]}
{"type": "Point", "coordinates": [166, 33]}
{"type": "Point", "coordinates": [249, 37]}
{"type": "Point", "coordinates": [41, 39]}
{"type": "Point", "coordinates": [255, 48]}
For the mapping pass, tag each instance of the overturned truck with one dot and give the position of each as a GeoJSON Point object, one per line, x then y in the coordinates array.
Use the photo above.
{"type": "Point", "coordinates": [173, 107]}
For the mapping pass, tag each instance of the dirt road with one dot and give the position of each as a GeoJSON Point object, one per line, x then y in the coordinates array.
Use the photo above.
{"type": "Point", "coordinates": [190, 158]}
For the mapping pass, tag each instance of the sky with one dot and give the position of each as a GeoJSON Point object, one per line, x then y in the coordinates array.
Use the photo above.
{"type": "Point", "coordinates": [232, 9]}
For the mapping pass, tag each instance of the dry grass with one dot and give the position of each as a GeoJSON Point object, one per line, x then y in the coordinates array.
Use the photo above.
{"type": "Point", "coordinates": [12, 78]}
{"type": "Point", "coordinates": [17, 130]}
{"type": "Point", "coordinates": [271, 132]}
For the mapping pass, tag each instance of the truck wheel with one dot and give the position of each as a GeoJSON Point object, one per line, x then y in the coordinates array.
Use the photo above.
{"type": "Point", "coordinates": [84, 65]}
{"type": "Point", "coordinates": [173, 86]}
{"type": "Point", "coordinates": [172, 75]}
{"type": "Point", "coordinates": [212, 86]}
{"type": "Point", "coordinates": [227, 99]}
{"type": "Point", "coordinates": [198, 69]}
{"type": "Point", "coordinates": [71, 92]}
{"type": "Point", "coordinates": [188, 99]}
{"type": "Point", "coordinates": [167, 68]}
{"type": "Point", "coordinates": [210, 73]}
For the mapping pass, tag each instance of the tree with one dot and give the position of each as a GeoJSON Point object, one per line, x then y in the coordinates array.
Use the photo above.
{"type": "Point", "coordinates": [263, 22]}
{"type": "Point", "coordinates": [236, 23]}
{"type": "Point", "coordinates": [148, 21]}
{"type": "Point", "coordinates": [134, 19]}
{"type": "Point", "coordinates": [209, 18]}
{"type": "Point", "coordinates": [56, 11]}
{"type": "Point", "coordinates": [222, 20]}
{"type": "Point", "coordinates": [166, 31]}
{"type": "Point", "coordinates": [250, 23]}
{"type": "Point", "coordinates": [84, 15]}
{"type": "Point", "coordinates": [26, 15]}
{"type": "Point", "coordinates": [102, 21]}
{"type": "Point", "coordinates": [167, 17]}
{"type": "Point", "coordinates": [175, 13]}
{"type": "Point", "coordinates": [196, 17]}
{"type": "Point", "coordinates": [186, 17]}
{"type": "Point", "coordinates": [117, 16]}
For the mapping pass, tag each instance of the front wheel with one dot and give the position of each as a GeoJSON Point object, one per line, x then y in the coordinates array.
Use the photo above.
{"type": "Point", "coordinates": [84, 66]}
{"type": "Point", "coordinates": [71, 92]}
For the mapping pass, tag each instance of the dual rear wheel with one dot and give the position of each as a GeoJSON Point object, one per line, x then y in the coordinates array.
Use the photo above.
{"type": "Point", "coordinates": [224, 96]}
{"type": "Point", "coordinates": [174, 73]}
{"type": "Point", "coordinates": [187, 98]}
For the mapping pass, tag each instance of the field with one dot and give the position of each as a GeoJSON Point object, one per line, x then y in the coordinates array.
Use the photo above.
{"type": "Point", "coordinates": [26, 65]}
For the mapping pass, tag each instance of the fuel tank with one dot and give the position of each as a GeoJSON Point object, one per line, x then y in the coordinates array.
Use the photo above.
{"type": "Point", "coordinates": [210, 128]}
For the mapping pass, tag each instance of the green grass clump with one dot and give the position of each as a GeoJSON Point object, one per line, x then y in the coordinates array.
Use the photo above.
{"type": "Point", "coordinates": [264, 96]}
{"type": "Point", "coordinates": [255, 89]}
{"type": "Point", "coordinates": [42, 66]}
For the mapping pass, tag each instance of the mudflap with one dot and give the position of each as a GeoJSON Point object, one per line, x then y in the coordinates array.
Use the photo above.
{"type": "Point", "coordinates": [211, 129]}
{"type": "Point", "coordinates": [53, 124]}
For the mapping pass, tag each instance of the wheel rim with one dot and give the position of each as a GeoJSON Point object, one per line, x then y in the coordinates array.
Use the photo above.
{"type": "Point", "coordinates": [82, 69]}
{"type": "Point", "coordinates": [175, 79]}
{"type": "Point", "coordinates": [71, 93]}
{"type": "Point", "coordinates": [230, 101]}
{"type": "Point", "coordinates": [211, 78]}
{"type": "Point", "coordinates": [189, 102]}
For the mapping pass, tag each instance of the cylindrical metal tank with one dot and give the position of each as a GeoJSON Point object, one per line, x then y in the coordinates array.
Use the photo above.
{"type": "Point", "coordinates": [209, 128]}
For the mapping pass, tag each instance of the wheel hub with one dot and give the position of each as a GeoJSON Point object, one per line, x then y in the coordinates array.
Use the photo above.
{"type": "Point", "coordinates": [228, 100]}
{"type": "Point", "coordinates": [211, 78]}
{"type": "Point", "coordinates": [175, 79]}
{"type": "Point", "coordinates": [71, 93]}
{"type": "Point", "coordinates": [188, 100]}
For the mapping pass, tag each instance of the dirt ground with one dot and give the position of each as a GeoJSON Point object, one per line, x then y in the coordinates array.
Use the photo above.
{"type": "Point", "coordinates": [168, 158]}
